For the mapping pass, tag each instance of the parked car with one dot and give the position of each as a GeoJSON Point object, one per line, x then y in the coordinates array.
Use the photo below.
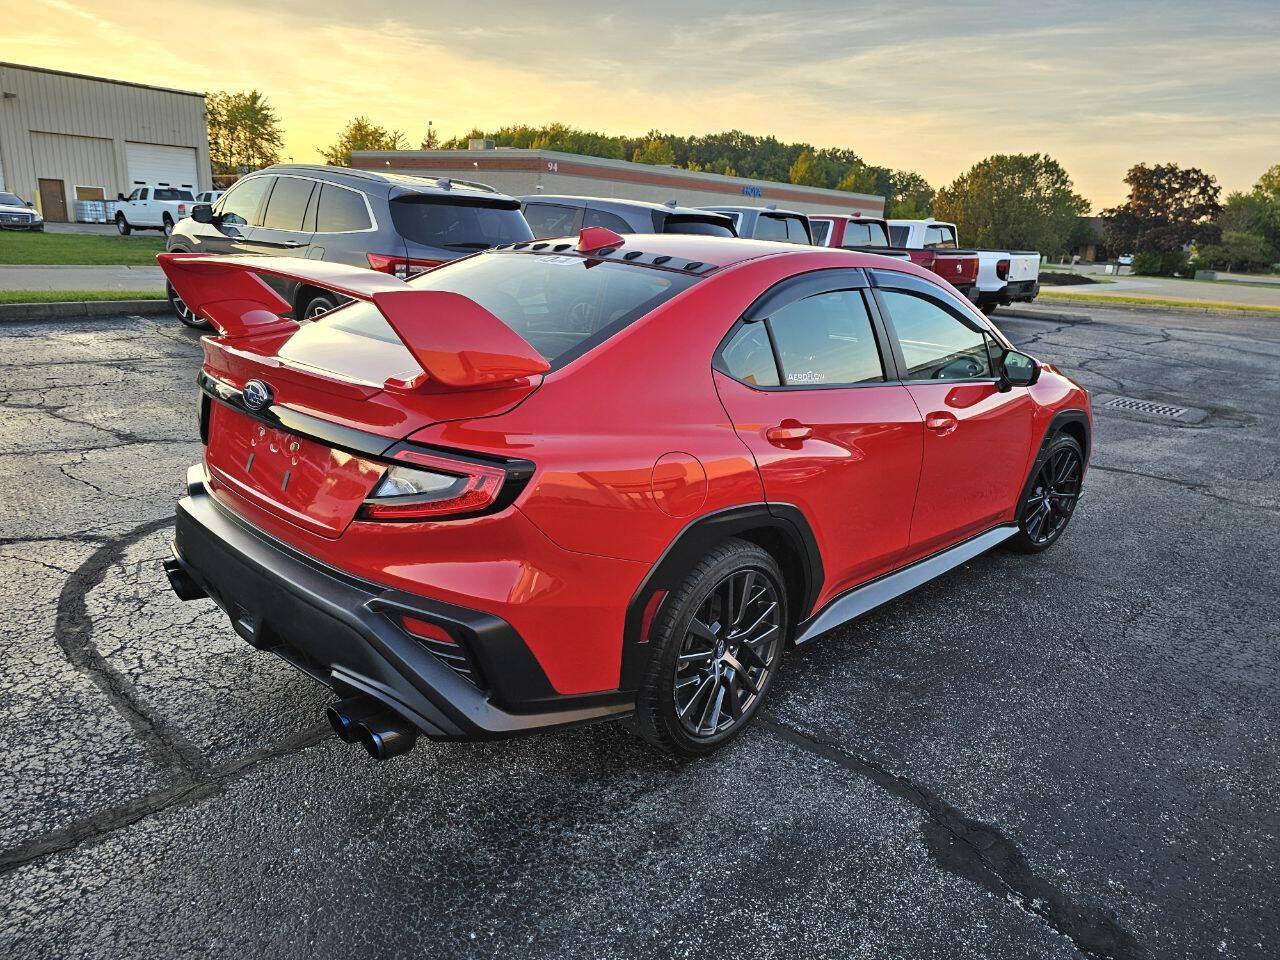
{"type": "Point", "coordinates": [153, 207]}
{"type": "Point", "coordinates": [768, 223]}
{"type": "Point", "coordinates": [1125, 260]}
{"type": "Point", "coordinates": [209, 196]}
{"type": "Point", "coordinates": [1007, 276]}
{"type": "Point", "coordinates": [450, 501]}
{"type": "Point", "coordinates": [854, 232]}
{"type": "Point", "coordinates": [559, 216]}
{"type": "Point", "coordinates": [18, 214]}
{"type": "Point", "coordinates": [392, 224]}
{"type": "Point", "coordinates": [932, 244]}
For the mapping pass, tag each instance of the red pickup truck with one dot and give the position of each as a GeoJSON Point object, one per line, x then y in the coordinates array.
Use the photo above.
{"type": "Point", "coordinates": [934, 248]}
{"type": "Point", "coordinates": [854, 232]}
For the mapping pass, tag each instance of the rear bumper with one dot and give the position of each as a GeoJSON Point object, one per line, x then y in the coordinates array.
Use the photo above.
{"type": "Point", "coordinates": [1022, 291]}
{"type": "Point", "coordinates": [339, 630]}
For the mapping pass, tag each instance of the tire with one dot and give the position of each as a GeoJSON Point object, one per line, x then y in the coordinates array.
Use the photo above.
{"type": "Point", "coordinates": [183, 312]}
{"type": "Point", "coordinates": [123, 225]}
{"type": "Point", "coordinates": [1049, 501]}
{"type": "Point", "coordinates": [700, 688]}
{"type": "Point", "coordinates": [167, 225]}
{"type": "Point", "coordinates": [315, 307]}
{"type": "Point", "coordinates": [988, 308]}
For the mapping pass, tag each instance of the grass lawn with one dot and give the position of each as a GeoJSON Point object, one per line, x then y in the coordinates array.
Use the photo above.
{"type": "Point", "coordinates": [79, 249]}
{"type": "Point", "coordinates": [76, 296]}
{"type": "Point", "coordinates": [1102, 301]}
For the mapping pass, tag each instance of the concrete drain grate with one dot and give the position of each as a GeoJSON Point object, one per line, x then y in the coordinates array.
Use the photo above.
{"type": "Point", "coordinates": [1146, 406]}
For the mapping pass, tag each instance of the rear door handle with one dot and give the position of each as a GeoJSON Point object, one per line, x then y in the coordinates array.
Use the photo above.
{"type": "Point", "coordinates": [788, 431]}
{"type": "Point", "coordinates": [941, 422]}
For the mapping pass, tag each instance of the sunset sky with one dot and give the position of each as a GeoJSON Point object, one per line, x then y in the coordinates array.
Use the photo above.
{"type": "Point", "coordinates": [927, 86]}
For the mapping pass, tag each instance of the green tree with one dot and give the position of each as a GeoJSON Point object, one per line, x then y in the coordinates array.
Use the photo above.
{"type": "Point", "coordinates": [908, 195]}
{"type": "Point", "coordinates": [1269, 182]}
{"type": "Point", "coordinates": [1013, 201]}
{"type": "Point", "coordinates": [809, 170]}
{"type": "Point", "coordinates": [432, 140]}
{"type": "Point", "coordinates": [1168, 208]}
{"type": "Point", "coordinates": [1238, 250]}
{"type": "Point", "coordinates": [244, 131]}
{"type": "Point", "coordinates": [859, 178]}
{"type": "Point", "coordinates": [655, 150]}
{"type": "Point", "coordinates": [361, 134]}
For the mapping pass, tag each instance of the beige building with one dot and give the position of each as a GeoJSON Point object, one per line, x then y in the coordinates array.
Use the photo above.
{"type": "Point", "coordinates": [66, 137]}
{"type": "Point", "coordinates": [520, 172]}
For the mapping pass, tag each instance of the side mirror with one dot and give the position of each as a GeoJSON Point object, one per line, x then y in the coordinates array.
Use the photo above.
{"type": "Point", "coordinates": [202, 213]}
{"type": "Point", "coordinates": [1018, 370]}
{"type": "Point", "coordinates": [120, 196]}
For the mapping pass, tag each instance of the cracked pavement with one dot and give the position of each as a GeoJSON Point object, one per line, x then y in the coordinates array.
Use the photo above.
{"type": "Point", "coordinates": [1072, 754]}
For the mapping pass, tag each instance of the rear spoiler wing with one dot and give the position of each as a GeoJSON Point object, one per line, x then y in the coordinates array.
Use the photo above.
{"type": "Point", "coordinates": [456, 341]}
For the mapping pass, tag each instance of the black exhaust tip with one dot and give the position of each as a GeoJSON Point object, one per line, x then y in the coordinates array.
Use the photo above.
{"type": "Point", "coordinates": [386, 735]}
{"type": "Point", "coordinates": [345, 716]}
{"type": "Point", "coordinates": [184, 586]}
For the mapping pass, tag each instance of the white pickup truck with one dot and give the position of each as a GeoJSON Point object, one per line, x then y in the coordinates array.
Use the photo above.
{"type": "Point", "coordinates": [153, 206]}
{"type": "Point", "coordinates": [1004, 276]}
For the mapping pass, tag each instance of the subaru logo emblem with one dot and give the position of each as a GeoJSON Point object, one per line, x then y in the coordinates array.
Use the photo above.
{"type": "Point", "coordinates": [256, 395]}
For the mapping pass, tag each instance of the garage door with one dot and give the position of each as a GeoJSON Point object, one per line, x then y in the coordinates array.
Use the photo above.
{"type": "Point", "coordinates": [154, 163]}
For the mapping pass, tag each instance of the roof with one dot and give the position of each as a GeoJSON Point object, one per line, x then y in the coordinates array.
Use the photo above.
{"type": "Point", "coordinates": [441, 185]}
{"type": "Point", "coordinates": [86, 76]}
{"type": "Point", "coordinates": [769, 211]}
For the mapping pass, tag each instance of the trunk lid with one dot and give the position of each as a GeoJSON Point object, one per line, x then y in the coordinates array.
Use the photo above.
{"type": "Point", "coordinates": [300, 416]}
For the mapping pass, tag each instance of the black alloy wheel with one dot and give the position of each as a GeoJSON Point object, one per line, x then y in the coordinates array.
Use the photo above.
{"type": "Point", "coordinates": [729, 651]}
{"type": "Point", "coordinates": [317, 307]}
{"type": "Point", "coordinates": [718, 642]}
{"type": "Point", "coordinates": [1051, 499]}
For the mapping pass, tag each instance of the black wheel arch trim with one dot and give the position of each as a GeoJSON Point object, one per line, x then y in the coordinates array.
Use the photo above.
{"type": "Point", "coordinates": [692, 544]}
{"type": "Point", "coordinates": [1051, 432]}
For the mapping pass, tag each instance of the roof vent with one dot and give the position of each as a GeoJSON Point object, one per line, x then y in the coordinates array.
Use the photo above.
{"type": "Point", "coordinates": [480, 143]}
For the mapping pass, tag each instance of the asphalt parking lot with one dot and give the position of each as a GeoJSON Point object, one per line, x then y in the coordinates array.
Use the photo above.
{"type": "Point", "coordinates": [1065, 755]}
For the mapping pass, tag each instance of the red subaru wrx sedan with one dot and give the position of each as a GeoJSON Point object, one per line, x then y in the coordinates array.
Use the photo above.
{"type": "Point", "coordinates": [570, 480]}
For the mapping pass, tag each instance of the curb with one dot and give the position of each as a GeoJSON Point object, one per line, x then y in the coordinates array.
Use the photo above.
{"type": "Point", "coordinates": [1101, 302]}
{"type": "Point", "coordinates": [1050, 316]}
{"type": "Point", "coordinates": [78, 309]}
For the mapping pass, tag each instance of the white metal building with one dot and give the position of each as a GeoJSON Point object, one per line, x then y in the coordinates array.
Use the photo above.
{"type": "Point", "coordinates": [519, 172]}
{"type": "Point", "coordinates": [66, 137]}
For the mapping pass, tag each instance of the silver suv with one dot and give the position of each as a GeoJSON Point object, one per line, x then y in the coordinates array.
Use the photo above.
{"type": "Point", "coordinates": [559, 216]}
{"type": "Point", "coordinates": [396, 224]}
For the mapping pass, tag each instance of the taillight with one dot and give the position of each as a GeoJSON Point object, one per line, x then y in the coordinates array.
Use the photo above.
{"type": "Point", "coordinates": [434, 487]}
{"type": "Point", "coordinates": [1002, 269]}
{"type": "Point", "coordinates": [402, 267]}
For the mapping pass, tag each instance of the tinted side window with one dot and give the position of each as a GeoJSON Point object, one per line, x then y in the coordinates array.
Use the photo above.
{"type": "Point", "coordinates": [939, 237]}
{"type": "Point", "coordinates": [143, 195]}
{"type": "Point", "coordinates": [826, 339]}
{"type": "Point", "coordinates": [288, 203]}
{"type": "Point", "coordinates": [706, 228]}
{"type": "Point", "coordinates": [821, 230]}
{"type": "Point", "coordinates": [341, 210]}
{"type": "Point", "coordinates": [240, 204]}
{"type": "Point", "coordinates": [551, 219]}
{"type": "Point", "coordinates": [749, 357]}
{"type": "Point", "coordinates": [899, 235]}
{"type": "Point", "coordinates": [864, 235]}
{"type": "Point", "coordinates": [936, 345]}
{"type": "Point", "coordinates": [602, 218]}
{"type": "Point", "coordinates": [771, 228]}
{"type": "Point", "coordinates": [796, 230]}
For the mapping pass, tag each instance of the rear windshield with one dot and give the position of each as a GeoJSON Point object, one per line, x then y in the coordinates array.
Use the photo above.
{"type": "Point", "coordinates": [458, 226]}
{"type": "Point", "coordinates": [867, 234]}
{"type": "Point", "coordinates": [706, 228]}
{"type": "Point", "coordinates": [164, 193]}
{"type": "Point", "coordinates": [779, 226]}
{"type": "Point", "coordinates": [562, 305]}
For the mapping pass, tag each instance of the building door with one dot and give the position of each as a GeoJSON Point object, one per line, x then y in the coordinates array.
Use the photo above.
{"type": "Point", "coordinates": [53, 200]}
